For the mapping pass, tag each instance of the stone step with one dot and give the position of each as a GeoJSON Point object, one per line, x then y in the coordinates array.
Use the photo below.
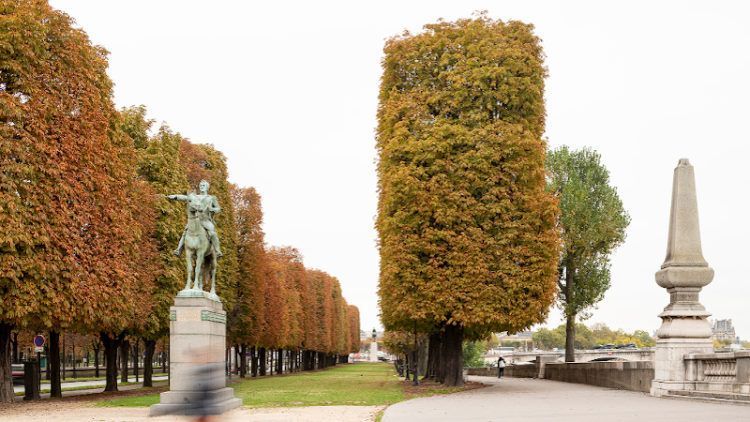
{"type": "Point", "coordinates": [711, 396]}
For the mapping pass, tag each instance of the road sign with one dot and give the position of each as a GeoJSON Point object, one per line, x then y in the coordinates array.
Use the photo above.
{"type": "Point", "coordinates": [39, 343]}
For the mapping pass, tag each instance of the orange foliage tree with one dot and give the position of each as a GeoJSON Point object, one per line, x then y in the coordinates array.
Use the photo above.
{"type": "Point", "coordinates": [72, 252]}
{"type": "Point", "coordinates": [468, 243]}
{"type": "Point", "coordinates": [246, 320]}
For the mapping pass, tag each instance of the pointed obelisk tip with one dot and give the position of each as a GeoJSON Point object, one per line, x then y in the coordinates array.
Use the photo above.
{"type": "Point", "coordinates": [684, 244]}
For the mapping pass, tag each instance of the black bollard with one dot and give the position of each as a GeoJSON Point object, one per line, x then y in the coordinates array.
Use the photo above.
{"type": "Point", "coordinates": [31, 380]}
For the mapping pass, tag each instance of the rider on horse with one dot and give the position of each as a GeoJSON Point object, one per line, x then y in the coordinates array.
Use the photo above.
{"type": "Point", "coordinates": [210, 206]}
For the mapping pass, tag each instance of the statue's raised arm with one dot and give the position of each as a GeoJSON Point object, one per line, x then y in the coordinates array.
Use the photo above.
{"type": "Point", "coordinates": [183, 198]}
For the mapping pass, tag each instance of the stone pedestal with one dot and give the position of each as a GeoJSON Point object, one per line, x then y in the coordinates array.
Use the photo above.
{"type": "Point", "coordinates": [374, 351]}
{"type": "Point", "coordinates": [684, 273]}
{"type": "Point", "coordinates": [197, 359]}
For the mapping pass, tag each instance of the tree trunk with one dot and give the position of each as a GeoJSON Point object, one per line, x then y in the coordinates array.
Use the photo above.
{"type": "Point", "coordinates": [148, 362]}
{"type": "Point", "coordinates": [111, 344]}
{"type": "Point", "coordinates": [124, 358]}
{"type": "Point", "coordinates": [570, 320]}
{"type": "Point", "coordinates": [96, 361]}
{"type": "Point", "coordinates": [422, 358]}
{"type": "Point", "coordinates": [254, 361]}
{"type": "Point", "coordinates": [570, 338]}
{"type": "Point", "coordinates": [262, 359]}
{"type": "Point", "coordinates": [440, 357]}
{"type": "Point", "coordinates": [280, 361]}
{"type": "Point", "coordinates": [47, 368]}
{"type": "Point", "coordinates": [453, 358]}
{"type": "Point", "coordinates": [55, 387]}
{"type": "Point", "coordinates": [164, 356]}
{"type": "Point", "coordinates": [64, 350]}
{"type": "Point", "coordinates": [415, 368]}
{"type": "Point", "coordinates": [243, 360]}
{"type": "Point", "coordinates": [407, 367]}
{"type": "Point", "coordinates": [136, 358]}
{"type": "Point", "coordinates": [6, 376]}
{"type": "Point", "coordinates": [73, 354]}
{"type": "Point", "coordinates": [14, 342]}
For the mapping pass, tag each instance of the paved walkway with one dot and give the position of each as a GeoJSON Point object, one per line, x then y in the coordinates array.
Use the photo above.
{"type": "Point", "coordinates": [83, 412]}
{"type": "Point", "coordinates": [523, 399]}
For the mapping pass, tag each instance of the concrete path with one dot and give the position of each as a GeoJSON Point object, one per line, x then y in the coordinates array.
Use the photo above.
{"type": "Point", "coordinates": [523, 399]}
{"type": "Point", "coordinates": [76, 384]}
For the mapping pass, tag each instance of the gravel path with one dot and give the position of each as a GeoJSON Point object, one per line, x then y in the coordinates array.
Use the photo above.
{"type": "Point", "coordinates": [83, 411]}
{"type": "Point", "coordinates": [523, 399]}
{"type": "Point", "coordinates": [96, 383]}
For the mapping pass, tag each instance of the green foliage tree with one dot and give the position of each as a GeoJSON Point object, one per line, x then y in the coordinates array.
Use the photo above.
{"type": "Point", "coordinates": [467, 237]}
{"type": "Point", "coordinates": [592, 224]}
{"type": "Point", "coordinates": [474, 354]}
{"type": "Point", "coordinates": [158, 164]}
{"type": "Point", "coordinates": [589, 337]}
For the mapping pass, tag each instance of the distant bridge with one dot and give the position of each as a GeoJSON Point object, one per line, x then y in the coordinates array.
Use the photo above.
{"type": "Point", "coordinates": [581, 355]}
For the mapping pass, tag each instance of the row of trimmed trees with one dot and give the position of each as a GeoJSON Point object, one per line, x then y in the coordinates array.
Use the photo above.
{"type": "Point", "coordinates": [480, 229]}
{"type": "Point", "coordinates": [88, 234]}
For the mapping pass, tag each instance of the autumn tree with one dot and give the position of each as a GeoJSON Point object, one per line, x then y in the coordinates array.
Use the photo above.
{"type": "Point", "coordinates": [72, 251]}
{"type": "Point", "coordinates": [467, 237]}
{"type": "Point", "coordinates": [353, 314]}
{"type": "Point", "coordinates": [159, 165]}
{"type": "Point", "coordinates": [246, 319]}
{"type": "Point", "coordinates": [592, 224]}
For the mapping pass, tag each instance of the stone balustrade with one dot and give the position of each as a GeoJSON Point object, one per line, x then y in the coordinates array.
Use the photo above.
{"type": "Point", "coordinates": [728, 372]}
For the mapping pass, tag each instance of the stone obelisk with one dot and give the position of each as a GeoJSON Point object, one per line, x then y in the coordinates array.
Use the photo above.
{"type": "Point", "coordinates": [684, 273]}
{"type": "Point", "coordinates": [373, 355]}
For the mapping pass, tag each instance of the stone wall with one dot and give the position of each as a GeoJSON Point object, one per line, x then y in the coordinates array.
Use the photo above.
{"type": "Point", "coordinates": [634, 376]}
{"type": "Point", "coordinates": [515, 371]}
{"type": "Point", "coordinates": [624, 375]}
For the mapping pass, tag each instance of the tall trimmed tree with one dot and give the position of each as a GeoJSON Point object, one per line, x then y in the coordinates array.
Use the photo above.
{"type": "Point", "coordinates": [71, 248]}
{"type": "Point", "coordinates": [159, 165]}
{"type": "Point", "coordinates": [467, 231]}
{"type": "Point", "coordinates": [592, 224]}
{"type": "Point", "coordinates": [246, 319]}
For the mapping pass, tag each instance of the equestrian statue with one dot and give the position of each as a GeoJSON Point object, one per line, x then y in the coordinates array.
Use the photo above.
{"type": "Point", "coordinates": [200, 241]}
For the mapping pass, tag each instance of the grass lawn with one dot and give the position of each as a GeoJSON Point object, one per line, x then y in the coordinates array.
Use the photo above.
{"type": "Point", "coordinates": [361, 384]}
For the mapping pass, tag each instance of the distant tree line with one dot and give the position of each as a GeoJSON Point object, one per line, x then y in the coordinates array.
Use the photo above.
{"type": "Point", "coordinates": [88, 236]}
{"type": "Point", "coordinates": [590, 337]}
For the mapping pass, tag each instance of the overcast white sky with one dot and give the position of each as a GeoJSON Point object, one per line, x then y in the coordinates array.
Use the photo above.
{"type": "Point", "coordinates": [288, 91]}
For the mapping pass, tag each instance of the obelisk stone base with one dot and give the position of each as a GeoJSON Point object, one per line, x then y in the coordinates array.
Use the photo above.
{"type": "Point", "coordinates": [669, 363]}
{"type": "Point", "coordinates": [197, 345]}
{"type": "Point", "coordinates": [373, 351]}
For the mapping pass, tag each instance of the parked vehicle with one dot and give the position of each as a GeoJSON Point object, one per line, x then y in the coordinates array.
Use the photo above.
{"type": "Point", "coordinates": [604, 347]}
{"type": "Point", "coordinates": [16, 370]}
{"type": "Point", "coordinates": [627, 346]}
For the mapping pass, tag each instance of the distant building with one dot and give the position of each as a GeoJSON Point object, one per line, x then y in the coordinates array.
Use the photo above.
{"type": "Point", "coordinates": [723, 330]}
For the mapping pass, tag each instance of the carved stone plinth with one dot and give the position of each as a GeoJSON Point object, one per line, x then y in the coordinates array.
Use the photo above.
{"type": "Point", "coordinates": [373, 352]}
{"type": "Point", "coordinates": [197, 345]}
